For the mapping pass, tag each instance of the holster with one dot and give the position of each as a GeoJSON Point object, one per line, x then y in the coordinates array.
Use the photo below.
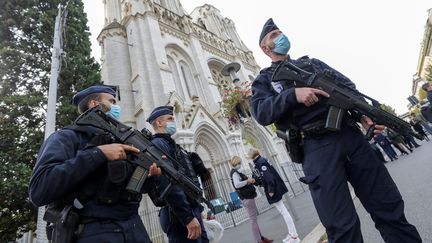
{"type": "Point", "coordinates": [62, 224]}
{"type": "Point", "coordinates": [294, 144]}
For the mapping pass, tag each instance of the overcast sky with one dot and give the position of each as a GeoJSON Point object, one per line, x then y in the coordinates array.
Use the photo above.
{"type": "Point", "coordinates": [375, 43]}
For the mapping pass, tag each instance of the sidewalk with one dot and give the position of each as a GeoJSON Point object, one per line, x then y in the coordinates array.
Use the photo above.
{"type": "Point", "coordinates": [412, 175]}
{"type": "Point", "coordinates": [272, 224]}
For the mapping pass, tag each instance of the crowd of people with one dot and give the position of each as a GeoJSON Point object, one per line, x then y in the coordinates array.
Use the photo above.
{"type": "Point", "coordinates": [393, 145]}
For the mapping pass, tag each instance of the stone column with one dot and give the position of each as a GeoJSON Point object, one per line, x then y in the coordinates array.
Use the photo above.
{"type": "Point", "coordinates": [116, 68]}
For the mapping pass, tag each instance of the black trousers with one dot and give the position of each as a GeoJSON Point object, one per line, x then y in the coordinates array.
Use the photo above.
{"type": "Point", "coordinates": [115, 231]}
{"type": "Point", "coordinates": [176, 232]}
{"type": "Point", "coordinates": [336, 158]}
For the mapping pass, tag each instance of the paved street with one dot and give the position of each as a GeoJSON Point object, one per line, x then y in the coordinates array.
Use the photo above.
{"type": "Point", "coordinates": [412, 174]}
{"type": "Point", "coordinates": [272, 225]}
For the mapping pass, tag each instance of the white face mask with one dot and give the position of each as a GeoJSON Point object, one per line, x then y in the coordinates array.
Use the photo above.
{"type": "Point", "coordinates": [237, 166]}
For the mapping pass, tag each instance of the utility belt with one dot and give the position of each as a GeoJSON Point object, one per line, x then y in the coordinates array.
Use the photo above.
{"type": "Point", "coordinates": [294, 138]}
{"type": "Point", "coordinates": [319, 128]}
{"type": "Point", "coordinates": [315, 129]}
{"type": "Point", "coordinates": [113, 197]}
{"type": "Point", "coordinates": [64, 223]}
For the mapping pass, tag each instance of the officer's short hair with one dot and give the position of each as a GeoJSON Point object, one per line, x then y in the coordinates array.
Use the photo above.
{"type": "Point", "coordinates": [253, 152]}
{"type": "Point", "coordinates": [83, 106]}
{"type": "Point", "coordinates": [235, 160]}
{"type": "Point", "coordinates": [153, 123]}
{"type": "Point", "coordinates": [425, 86]}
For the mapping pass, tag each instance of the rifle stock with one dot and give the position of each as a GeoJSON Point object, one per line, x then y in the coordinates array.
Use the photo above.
{"type": "Point", "coordinates": [342, 98]}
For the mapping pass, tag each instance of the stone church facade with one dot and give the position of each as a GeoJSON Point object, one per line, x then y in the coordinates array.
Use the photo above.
{"type": "Point", "coordinates": [157, 54]}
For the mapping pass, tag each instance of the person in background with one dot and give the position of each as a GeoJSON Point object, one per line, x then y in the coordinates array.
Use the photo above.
{"type": "Point", "coordinates": [397, 140]}
{"type": "Point", "coordinates": [417, 126]}
{"type": "Point", "coordinates": [246, 191]}
{"type": "Point", "coordinates": [377, 151]}
{"type": "Point", "coordinates": [410, 141]}
{"type": "Point", "coordinates": [213, 228]}
{"type": "Point", "coordinates": [274, 188]}
{"type": "Point", "coordinates": [385, 144]}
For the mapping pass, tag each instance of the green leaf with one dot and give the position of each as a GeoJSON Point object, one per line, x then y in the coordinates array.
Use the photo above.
{"type": "Point", "coordinates": [26, 38]}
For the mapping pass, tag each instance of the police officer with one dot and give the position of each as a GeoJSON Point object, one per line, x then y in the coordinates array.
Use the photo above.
{"type": "Point", "coordinates": [71, 172]}
{"type": "Point", "coordinates": [180, 215]}
{"type": "Point", "coordinates": [274, 188]}
{"type": "Point", "coordinates": [331, 159]}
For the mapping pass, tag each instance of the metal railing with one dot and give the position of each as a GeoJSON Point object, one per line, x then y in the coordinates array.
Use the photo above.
{"type": "Point", "coordinates": [229, 211]}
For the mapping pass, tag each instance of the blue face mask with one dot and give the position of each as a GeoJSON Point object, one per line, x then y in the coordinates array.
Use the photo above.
{"type": "Point", "coordinates": [171, 128]}
{"type": "Point", "coordinates": [114, 111]}
{"type": "Point", "coordinates": [282, 44]}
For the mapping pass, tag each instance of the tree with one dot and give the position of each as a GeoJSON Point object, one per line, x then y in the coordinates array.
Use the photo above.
{"type": "Point", "coordinates": [388, 108]}
{"type": "Point", "coordinates": [428, 78]}
{"type": "Point", "coordinates": [428, 73]}
{"type": "Point", "coordinates": [26, 37]}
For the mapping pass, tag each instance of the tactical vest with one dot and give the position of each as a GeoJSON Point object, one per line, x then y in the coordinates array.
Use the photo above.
{"type": "Point", "coordinates": [184, 164]}
{"type": "Point", "coordinates": [246, 192]}
{"type": "Point", "coordinates": [182, 155]}
{"type": "Point", "coordinates": [107, 183]}
{"type": "Point", "coordinates": [306, 64]}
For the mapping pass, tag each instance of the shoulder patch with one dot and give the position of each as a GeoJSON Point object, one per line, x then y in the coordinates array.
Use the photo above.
{"type": "Point", "coordinates": [264, 168]}
{"type": "Point", "coordinates": [277, 86]}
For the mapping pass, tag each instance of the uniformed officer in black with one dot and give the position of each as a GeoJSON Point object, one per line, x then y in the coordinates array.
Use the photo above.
{"type": "Point", "coordinates": [180, 216]}
{"type": "Point", "coordinates": [331, 159]}
{"type": "Point", "coordinates": [72, 168]}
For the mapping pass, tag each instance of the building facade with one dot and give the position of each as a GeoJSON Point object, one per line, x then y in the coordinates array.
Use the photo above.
{"type": "Point", "coordinates": [425, 56]}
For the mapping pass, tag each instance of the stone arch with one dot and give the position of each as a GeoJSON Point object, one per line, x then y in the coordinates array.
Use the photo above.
{"type": "Point", "coordinates": [258, 134]}
{"type": "Point", "coordinates": [269, 149]}
{"type": "Point", "coordinates": [211, 145]}
{"type": "Point", "coordinates": [205, 133]}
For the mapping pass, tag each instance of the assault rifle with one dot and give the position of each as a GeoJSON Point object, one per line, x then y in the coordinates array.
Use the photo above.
{"type": "Point", "coordinates": [148, 154]}
{"type": "Point", "coordinates": [342, 98]}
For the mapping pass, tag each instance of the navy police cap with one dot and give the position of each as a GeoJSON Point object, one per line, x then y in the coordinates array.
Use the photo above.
{"type": "Point", "coordinates": [267, 28]}
{"type": "Point", "coordinates": [109, 89]}
{"type": "Point", "coordinates": [160, 111]}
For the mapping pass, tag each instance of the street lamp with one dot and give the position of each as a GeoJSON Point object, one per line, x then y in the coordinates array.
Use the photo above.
{"type": "Point", "coordinates": [231, 70]}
